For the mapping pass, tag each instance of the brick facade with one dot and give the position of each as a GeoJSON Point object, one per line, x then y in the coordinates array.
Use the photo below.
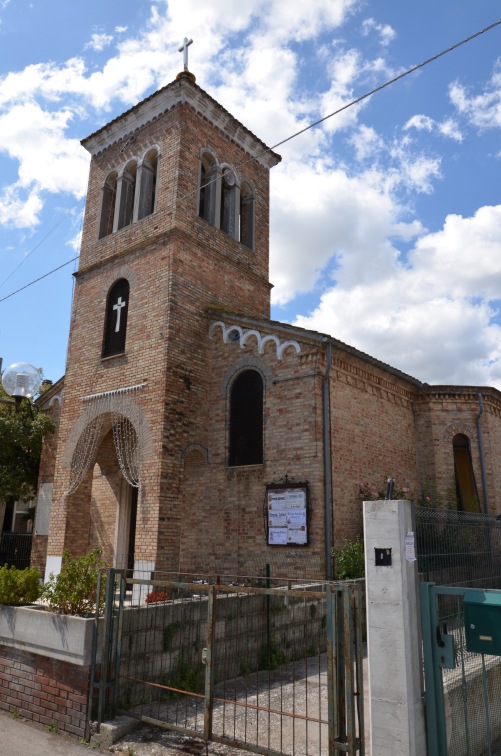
{"type": "Point", "coordinates": [190, 285]}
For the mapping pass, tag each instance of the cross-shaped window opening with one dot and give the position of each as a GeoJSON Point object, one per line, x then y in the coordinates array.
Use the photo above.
{"type": "Point", "coordinates": [117, 307]}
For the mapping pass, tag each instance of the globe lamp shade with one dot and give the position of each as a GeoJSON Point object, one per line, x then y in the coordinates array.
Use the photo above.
{"type": "Point", "coordinates": [21, 380]}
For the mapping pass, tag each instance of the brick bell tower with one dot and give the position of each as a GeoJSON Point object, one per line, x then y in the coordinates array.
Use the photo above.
{"type": "Point", "coordinates": [176, 223]}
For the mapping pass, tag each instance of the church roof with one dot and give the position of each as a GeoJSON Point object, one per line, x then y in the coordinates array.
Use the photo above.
{"type": "Point", "coordinates": [182, 90]}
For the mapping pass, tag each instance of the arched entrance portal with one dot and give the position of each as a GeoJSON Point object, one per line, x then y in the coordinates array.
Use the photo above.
{"type": "Point", "coordinates": [105, 452]}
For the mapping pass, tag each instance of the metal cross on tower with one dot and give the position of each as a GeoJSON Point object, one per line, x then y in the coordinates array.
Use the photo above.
{"type": "Point", "coordinates": [184, 49]}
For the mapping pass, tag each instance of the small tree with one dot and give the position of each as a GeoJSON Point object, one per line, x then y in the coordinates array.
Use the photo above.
{"type": "Point", "coordinates": [21, 436]}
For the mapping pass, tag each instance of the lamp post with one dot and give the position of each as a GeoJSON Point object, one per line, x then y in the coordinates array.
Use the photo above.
{"type": "Point", "coordinates": [21, 381]}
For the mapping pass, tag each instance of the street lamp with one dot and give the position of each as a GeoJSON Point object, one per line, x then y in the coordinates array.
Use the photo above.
{"type": "Point", "coordinates": [21, 381]}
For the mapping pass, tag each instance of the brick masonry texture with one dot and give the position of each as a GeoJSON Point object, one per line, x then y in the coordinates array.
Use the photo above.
{"type": "Point", "coordinates": [196, 512]}
{"type": "Point", "coordinates": [44, 690]}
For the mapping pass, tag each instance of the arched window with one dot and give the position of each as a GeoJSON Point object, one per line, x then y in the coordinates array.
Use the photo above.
{"type": "Point", "coordinates": [115, 327]}
{"type": "Point", "coordinates": [148, 184]}
{"type": "Point", "coordinates": [229, 192]}
{"type": "Point", "coordinates": [127, 190]}
{"type": "Point", "coordinates": [108, 205]}
{"type": "Point", "coordinates": [466, 487]}
{"type": "Point", "coordinates": [246, 419]}
{"type": "Point", "coordinates": [246, 231]}
{"type": "Point", "coordinates": [208, 189]}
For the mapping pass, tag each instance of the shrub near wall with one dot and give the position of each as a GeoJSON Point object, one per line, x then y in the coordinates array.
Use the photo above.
{"type": "Point", "coordinates": [19, 587]}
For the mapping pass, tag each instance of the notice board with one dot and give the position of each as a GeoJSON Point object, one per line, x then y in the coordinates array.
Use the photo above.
{"type": "Point", "coordinates": [287, 514]}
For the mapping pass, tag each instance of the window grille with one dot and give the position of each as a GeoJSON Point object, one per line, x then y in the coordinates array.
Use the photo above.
{"type": "Point", "coordinates": [117, 307]}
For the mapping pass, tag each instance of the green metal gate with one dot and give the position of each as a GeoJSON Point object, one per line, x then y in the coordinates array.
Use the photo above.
{"type": "Point", "coordinates": [269, 670]}
{"type": "Point", "coordinates": [463, 686]}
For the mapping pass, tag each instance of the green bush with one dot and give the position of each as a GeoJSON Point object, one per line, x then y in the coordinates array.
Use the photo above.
{"type": "Point", "coordinates": [350, 560]}
{"type": "Point", "coordinates": [74, 590]}
{"type": "Point", "coordinates": [19, 587]}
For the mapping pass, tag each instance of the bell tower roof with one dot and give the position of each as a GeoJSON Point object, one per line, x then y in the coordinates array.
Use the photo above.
{"type": "Point", "coordinates": [182, 90]}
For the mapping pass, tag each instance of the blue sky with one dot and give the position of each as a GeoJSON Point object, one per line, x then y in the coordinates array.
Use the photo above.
{"type": "Point", "coordinates": [385, 220]}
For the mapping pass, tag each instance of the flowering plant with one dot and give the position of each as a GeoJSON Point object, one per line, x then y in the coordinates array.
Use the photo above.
{"type": "Point", "coordinates": [154, 597]}
{"type": "Point", "coordinates": [370, 492]}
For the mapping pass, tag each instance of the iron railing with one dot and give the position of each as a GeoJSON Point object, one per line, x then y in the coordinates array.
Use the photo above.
{"type": "Point", "coordinates": [15, 549]}
{"type": "Point", "coordinates": [458, 548]}
{"type": "Point", "coordinates": [272, 668]}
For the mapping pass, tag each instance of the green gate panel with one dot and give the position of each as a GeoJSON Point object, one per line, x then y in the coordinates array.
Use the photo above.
{"type": "Point", "coordinates": [482, 619]}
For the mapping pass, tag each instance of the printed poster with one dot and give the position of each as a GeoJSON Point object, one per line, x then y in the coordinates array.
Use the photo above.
{"type": "Point", "coordinates": [287, 516]}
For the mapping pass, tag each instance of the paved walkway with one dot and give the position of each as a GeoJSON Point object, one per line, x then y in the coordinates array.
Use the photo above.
{"type": "Point", "coordinates": [19, 737]}
{"type": "Point", "coordinates": [149, 740]}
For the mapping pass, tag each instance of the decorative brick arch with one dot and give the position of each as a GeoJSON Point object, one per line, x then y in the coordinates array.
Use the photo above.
{"type": "Point", "coordinates": [124, 271]}
{"type": "Point", "coordinates": [122, 405]}
{"type": "Point", "coordinates": [244, 335]}
{"type": "Point", "coordinates": [193, 449]}
{"type": "Point", "coordinates": [458, 428]}
{"type": "Point", "coordinates": [246, 363]}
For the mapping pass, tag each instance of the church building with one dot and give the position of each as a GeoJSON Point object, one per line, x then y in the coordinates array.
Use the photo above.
{"type": "Point", "coordinates": [193, 433]}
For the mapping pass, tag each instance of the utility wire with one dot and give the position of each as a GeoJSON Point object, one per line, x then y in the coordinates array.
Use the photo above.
{"type": "Point", "coordinates": [387, 83]}
{"type": "Point", "coordinates": [38, 244]}
{"type": "Point", "coordinates": [289, 138]}
{"type": "Point", "coordinates": [39, 279]}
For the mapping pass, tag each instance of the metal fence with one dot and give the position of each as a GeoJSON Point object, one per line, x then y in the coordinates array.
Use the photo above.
{"type": "Point", "coordinates": [15, 549]}
{"type": "Point", "coordinates": [271, 666]}
{"type": "Point", "coordinates": [458, 548]}
{"type": "Point", "coordinates": [463, 687]}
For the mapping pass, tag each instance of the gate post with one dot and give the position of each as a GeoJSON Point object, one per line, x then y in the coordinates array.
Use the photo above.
{"type": "Point", "coordinates": [397, 722]}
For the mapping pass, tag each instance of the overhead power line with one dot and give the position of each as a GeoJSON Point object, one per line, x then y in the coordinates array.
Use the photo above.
{"type": "Point", "coordinates": [39, 279]}
{"type": "Point", "coordinates": [387, 83]}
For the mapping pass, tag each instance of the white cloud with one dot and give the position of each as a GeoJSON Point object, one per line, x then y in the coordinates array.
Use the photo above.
{"type": "Point", "coordinates": [386, 33]}
{"type": "Point", "coordinates": [366, 142]}
{"type": "Point", "coordinates": [448, 127]}
{"type": "Point", "coordinates": [320, 215]}
{"type": "Point", "coordinates": [18, 211]}
{"type": "Point", "coordinates": [98, 42]}
{"type": "Point", "coordinates": [48, 161]}
{"type": "Point", "coordinates": [434, 316]}
{"type": "Point", "coordinates": [482, 110]}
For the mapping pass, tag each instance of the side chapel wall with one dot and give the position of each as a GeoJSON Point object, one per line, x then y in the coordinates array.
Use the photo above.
{"type": "Point", "coordinates": [372, 436]}
{"type": "Point", "coordinates": [444, 411]}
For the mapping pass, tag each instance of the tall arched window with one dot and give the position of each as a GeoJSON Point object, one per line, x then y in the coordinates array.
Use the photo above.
{"type": "Point", "coordinates": [246, 231]}
{"type": "Point", "coordinates": [108, 205]}
{"type": "Point", "coordinates": [115, 327]}
{"type": "Point", "coordinates": [466, 486]}
{"type": "Point", "coordinates": [229, 192]}
{"type": "Point", "coordinates": [208, 189]}
{"type": "Point", "coordinates": [148, 184]}
{"type": "Point", "coordinates": [246, 419]}
{"type": "Point", "coordinates": [127, 191]}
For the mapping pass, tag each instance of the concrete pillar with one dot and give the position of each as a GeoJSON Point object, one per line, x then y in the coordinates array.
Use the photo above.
{"type": "Point", "coordinates": [397, 722]}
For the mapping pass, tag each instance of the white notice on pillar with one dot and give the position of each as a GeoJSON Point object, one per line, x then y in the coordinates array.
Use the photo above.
{"type": "Point", "coordinates": [410, 551]}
